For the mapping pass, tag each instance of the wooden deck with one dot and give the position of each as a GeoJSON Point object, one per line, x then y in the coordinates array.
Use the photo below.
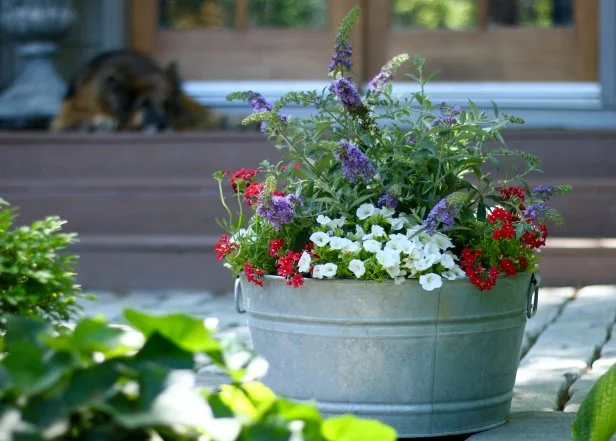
{"type": "Point", "coordinates": [144, 206]}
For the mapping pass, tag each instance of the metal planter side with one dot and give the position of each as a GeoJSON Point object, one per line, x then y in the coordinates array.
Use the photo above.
{"type": "Point", "coordinates": [427, 363]}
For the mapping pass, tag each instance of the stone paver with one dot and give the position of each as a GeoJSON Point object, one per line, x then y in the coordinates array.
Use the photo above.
{"type": "Point", "coordinates": [561, 344]}
{"type": "Point", "coordinates": [581, 387]}
{"type": "Point", "coordinates": [535, 426]}
{"type": "Point", "coordinates": [565, 350]}
{"type": "Point", "coordinates": [551, 303]}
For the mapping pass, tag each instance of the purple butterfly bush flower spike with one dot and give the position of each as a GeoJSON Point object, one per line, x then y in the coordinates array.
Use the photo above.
{"type": "Point", "coordinates": [259, 104]}
{"type": "Point", "coordinates": [341, 59]}
{"type": "Point", "coordinates": [355, 164]}
{"type": "Point", "coordinates": [387, 200]}
{"type": "Point", "coordinates": [442, 212]}
{"type": "Point", "coordinates": [279, 210]}
{"type": "Point", "coordinates": [536, 210]}
{"type": "Point", "coordinates": [544, 191]}
{"type": "Point", "coordinates": [347, 93]}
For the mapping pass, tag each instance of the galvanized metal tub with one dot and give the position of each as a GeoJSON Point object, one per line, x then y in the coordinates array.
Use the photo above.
{"type": "Point", "coordinates": [427, 363]}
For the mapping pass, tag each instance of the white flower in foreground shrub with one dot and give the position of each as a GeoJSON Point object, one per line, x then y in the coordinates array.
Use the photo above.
{"type": "Point", "coordinates": [326, 270]}
{"type": "Point", "coordinates": [365, 211]}
{"type": "Point", "coordinates": [372, 245]}
{"type": "Point", "coordinates": [180, 404]}
{"type": "Point", "coordinates": [388, 259]}
{"type": "Point", "coordinates": [323, 220]}
{"type": "Point", "coordinates": [319, 238]}
{"type": "Point", "coordinates": [430, 281]}
{"type": "Point", "coordinates": [303, 266]}
{"type": "Point", "coordinates": [357, 267]}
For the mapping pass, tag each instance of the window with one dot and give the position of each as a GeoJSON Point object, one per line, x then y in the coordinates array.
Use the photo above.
{"type": "Point", "coordinates": [466, 40]}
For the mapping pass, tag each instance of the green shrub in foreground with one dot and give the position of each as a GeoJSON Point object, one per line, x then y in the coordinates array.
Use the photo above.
{"type": "Point", "coordinates": [35, 280]}
{"type": "Point", "coordinates": [100, 382]}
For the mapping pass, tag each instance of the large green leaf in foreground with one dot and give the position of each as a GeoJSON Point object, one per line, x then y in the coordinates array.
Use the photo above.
{"type": "Point", "coordinates": [596, 418]}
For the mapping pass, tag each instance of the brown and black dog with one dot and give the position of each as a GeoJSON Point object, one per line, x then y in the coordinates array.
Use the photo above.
{"type": "Point", "coordinates": [126, 91]}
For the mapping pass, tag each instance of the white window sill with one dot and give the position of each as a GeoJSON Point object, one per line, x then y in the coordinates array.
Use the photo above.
{"type": "Point", "coordinates": [578, 96]}
{"type": "Point", "coordinates": [542, 105]}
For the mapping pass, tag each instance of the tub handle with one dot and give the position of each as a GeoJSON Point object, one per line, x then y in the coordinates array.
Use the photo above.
{"type": "Point", "coordinates": [237, 295]}
{"type": "Point", "coordinates": [532, 298]}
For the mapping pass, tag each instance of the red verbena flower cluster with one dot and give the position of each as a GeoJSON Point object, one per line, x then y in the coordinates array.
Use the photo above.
{"type": "Point", "coordinates": [287, 268]}
{"type": "Point", "coordinates": [481, 277]}
{"type": "Point", "coordinates": [254, 275]}
{"type": "Point", "coordinates": [512, 193]}
{"type": "Point", "coordinates": [274, 247]}
{"type": "Point", "coordinates": [536, 238]}
{"type": "Point", "coordinates": [252, 193]}
{"type": "Point", "coordinates": [241, 178]}
{"type": "Point", "coordinates": [504, 220]}
{"type": "Point", "coordinates": [224, 247]}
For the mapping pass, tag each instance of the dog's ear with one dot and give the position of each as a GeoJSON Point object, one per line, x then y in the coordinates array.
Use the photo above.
{"type": "Point", "coordinates": [173, 74]}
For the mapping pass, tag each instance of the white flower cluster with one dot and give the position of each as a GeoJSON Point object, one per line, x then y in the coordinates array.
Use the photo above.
{"type": "Point", "coordinates": [381, 242]}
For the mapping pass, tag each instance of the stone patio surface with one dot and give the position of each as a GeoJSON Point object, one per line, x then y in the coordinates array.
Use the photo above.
{"type": "Point", "coordinates": [567, 346]}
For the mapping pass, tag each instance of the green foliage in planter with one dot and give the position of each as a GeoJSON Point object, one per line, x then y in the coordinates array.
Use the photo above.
{"type": "Point", "coordinates": [596, 418]}
{"type": "Point", "coordinates": [35, 279]}
{"type": "Point", "coordinates": [107, 382]}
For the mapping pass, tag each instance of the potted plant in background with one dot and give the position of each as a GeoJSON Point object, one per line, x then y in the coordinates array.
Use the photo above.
{"type": "Point", "coordinates": [385, 270]}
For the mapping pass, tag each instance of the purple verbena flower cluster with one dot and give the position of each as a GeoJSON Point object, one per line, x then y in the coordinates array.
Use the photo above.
{"type": "Point", "coordinates": [341, 59]}
{"type": "Point", "coordinates": [544, 191]}
{"type": "Point", "coordinates": [535, 211]}
{"type": "Point", "coordinates": [279, 210]}
{"type": "Point", "coordinates": [347, 93]}
{"type": "Point", "coordinates": [355, 164]}
{"type": "Point", "coordinates": [442, 212]}
{"type": "Point", "coordinates": [387, 200]}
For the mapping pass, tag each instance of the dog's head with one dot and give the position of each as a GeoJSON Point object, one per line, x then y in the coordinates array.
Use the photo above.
{"type": "Point", "coordinates": [144, 100]}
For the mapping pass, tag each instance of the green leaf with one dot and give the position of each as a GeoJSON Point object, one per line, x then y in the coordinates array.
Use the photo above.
{"type": "Point", "coordinates": [31, 370]}
{"type": "Point", "coordinates": [596, 418]}
{"type": "Point", "coordinates": [164, 352]}
{"type": "Point", "coordinates": [187, 332]}
{"type": "Point", "coordinates": [474, 108]}
{"type": "Point", "coordinates": [351, 428]}
{"type": "Point", "coordinates": [261, 397]}
{"type": "Point", "coordinates": [92, 385]}
{"type": "Point", "coordinates": [23, 329]}
{"type": "Point", "coordinates": [263, 432]}
{"type": "Point", "coordinates": [237, 400]}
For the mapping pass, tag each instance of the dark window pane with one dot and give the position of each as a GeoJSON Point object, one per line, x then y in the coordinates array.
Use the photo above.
{"type": "Point", "coordinates": [541, 13]}
{"type": "Point", "coordinates": [287, 13]}
{"type": "Point", "coordinates": [435, 14]}
{"type": "Point", "coordinates": [187, 14]}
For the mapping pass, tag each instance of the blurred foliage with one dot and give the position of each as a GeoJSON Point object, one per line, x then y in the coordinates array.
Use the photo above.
{"type": "Point", "coordinates": [108, 383]}
{"type": "Point", "coordinates": [541, 13]}
{"type": "Point", "coordinates": [462, 14]}
{"type": "Point", "coordinates": [287, 13]}
{"type": "Point", "coordinates": [187, 14]}
{"type": "Point", "coordinates": [37, 273]}
{"type": "Point", "coordinates": [435, 14]}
